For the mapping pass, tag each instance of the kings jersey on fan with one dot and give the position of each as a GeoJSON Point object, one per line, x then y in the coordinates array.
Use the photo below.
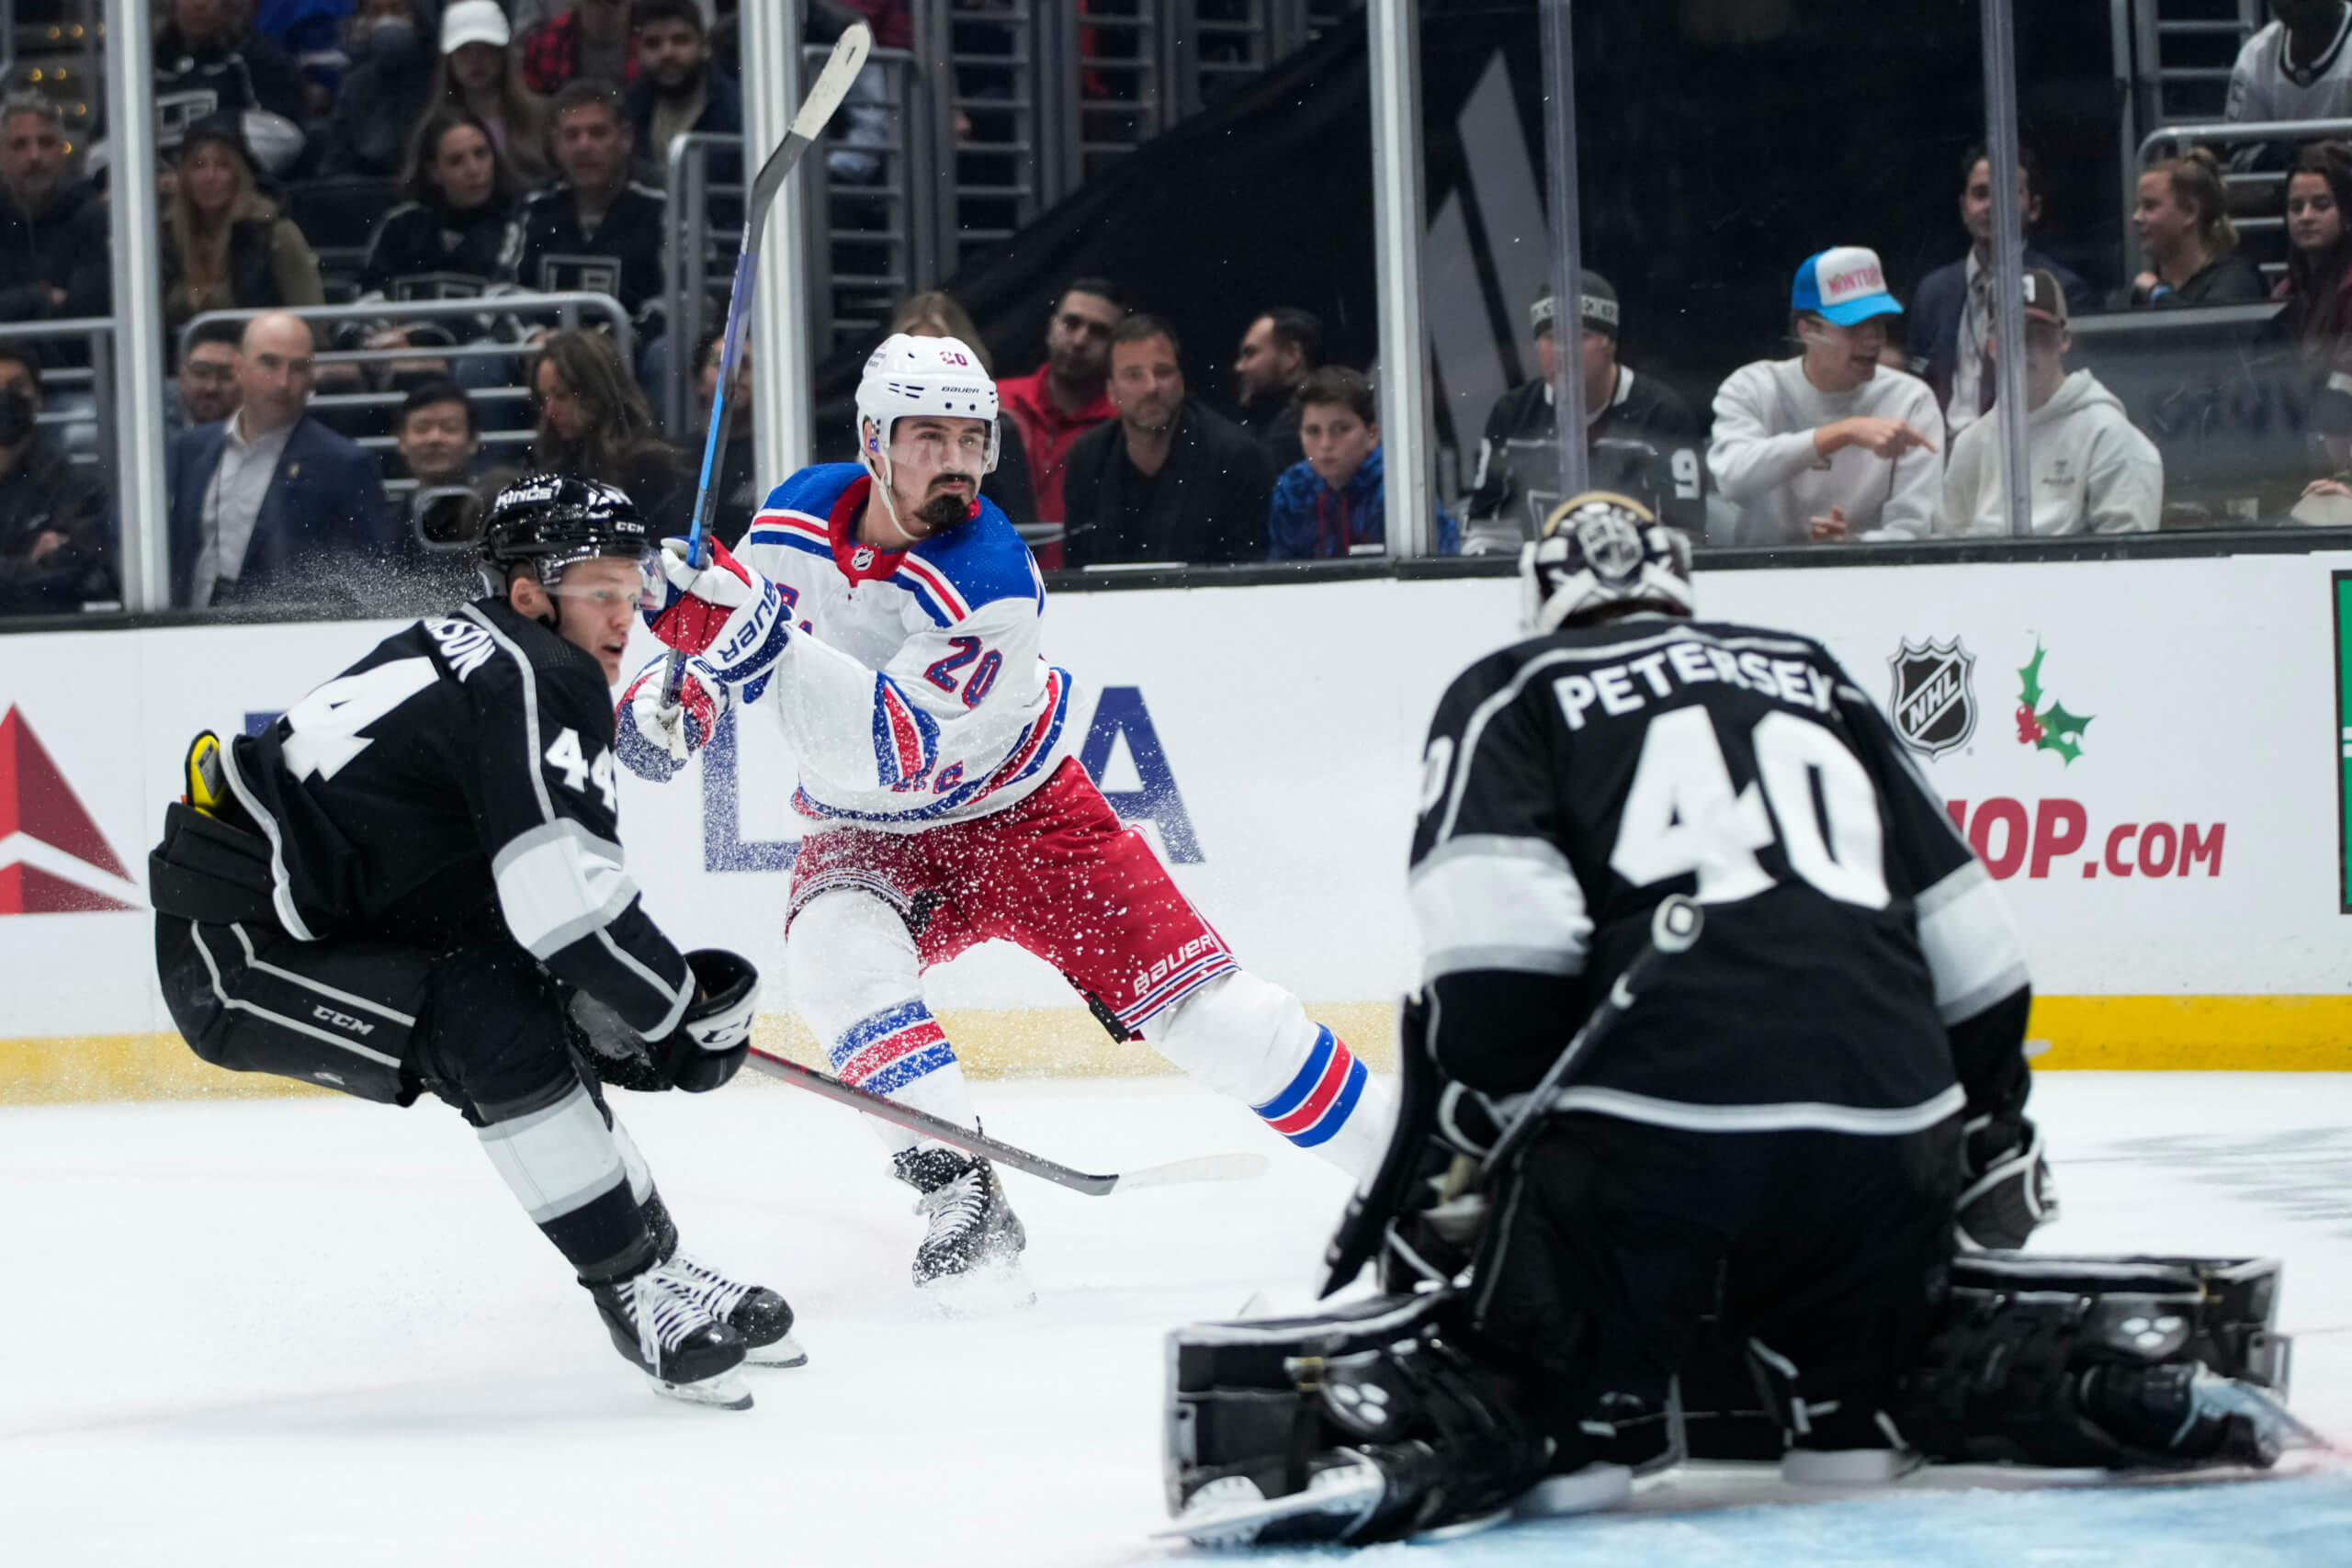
{"type": "Point", "coordinates": [919, 696]}
{"type": "Point", "coordinates": [1576, 780]}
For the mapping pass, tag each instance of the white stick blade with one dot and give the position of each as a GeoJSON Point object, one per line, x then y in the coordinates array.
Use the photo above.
{"type": "Point", "coordinates": [831, 85]}
{"type": "Point", "coordinates": [1206, 1168]}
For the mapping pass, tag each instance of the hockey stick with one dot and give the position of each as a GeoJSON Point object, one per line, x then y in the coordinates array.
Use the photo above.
{"type": "Point", "coordinates": [825, 95]}
{"type": "Point", "coordinates": [1673, 929]}
{"type": "Point", "coordinates": [1207, 1167]}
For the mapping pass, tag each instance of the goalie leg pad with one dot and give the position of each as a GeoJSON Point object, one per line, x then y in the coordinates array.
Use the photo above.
{"type": "Point", "coordinates": [1311, 1409]}
{"type": "Point", "coordinates": [2115, 1362]}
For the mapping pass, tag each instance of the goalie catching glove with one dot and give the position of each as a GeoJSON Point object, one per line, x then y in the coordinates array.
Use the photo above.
{"type": "Point", "coordinates": [729, 616]}
{"type": "Point", "coordinates": [2006, 1191]}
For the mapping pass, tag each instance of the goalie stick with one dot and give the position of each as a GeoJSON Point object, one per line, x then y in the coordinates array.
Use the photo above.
{"type": "Point", "coordinates": [1207, 1167]}
{"type": "Point", "coordinates": [1673, 929]}
{"type": "Point", "coordinates": [1369, 1223]}
{"type": "Point", "coordinates": [825, 95]}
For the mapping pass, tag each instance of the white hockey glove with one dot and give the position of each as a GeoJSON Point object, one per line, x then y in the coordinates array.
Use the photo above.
{"type": "Point", "coordinates": [2007, 1189]}
{"type": "Point", "coordinates": [726, 613]}
{"type": "Point", "coordinates": [676, 729]}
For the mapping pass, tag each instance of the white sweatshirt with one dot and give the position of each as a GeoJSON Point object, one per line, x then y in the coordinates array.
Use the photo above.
{"type": "Point", "coordinates": [1763, 461]}
{"type": "Point", "coordinates": [2093, 471]}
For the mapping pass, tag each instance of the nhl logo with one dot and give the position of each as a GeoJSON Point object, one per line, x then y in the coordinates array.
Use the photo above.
{"type": "Point", "coordinates": [1933, 704]}
{"type": "Point", "coordinates": [861, 558]}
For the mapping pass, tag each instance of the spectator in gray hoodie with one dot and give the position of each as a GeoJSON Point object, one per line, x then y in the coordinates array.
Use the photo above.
{"type": "Point", "coordinates": [2091, 470]}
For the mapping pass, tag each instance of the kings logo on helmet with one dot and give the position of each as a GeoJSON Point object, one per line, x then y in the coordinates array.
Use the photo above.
{"type": "Point", "coordinates": [1934, 699]}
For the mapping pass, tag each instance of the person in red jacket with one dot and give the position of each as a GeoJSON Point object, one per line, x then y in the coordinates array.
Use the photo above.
{"type": "Point", "coordinates": [1069, 395]}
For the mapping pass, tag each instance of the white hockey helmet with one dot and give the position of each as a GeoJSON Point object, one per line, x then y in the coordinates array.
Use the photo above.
{"type": "Point", "coordinates": [1602, 548]}
{"type": "Point", "coordinates": [912, 376]}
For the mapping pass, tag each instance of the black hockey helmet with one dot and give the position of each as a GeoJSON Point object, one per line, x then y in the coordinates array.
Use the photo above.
{"type": "Point", "coordinates": [551, 521]}
{"type": "Point", "coordinates": [1600, 549]}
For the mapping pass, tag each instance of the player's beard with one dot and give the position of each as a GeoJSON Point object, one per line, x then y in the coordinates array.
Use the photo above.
{"type": "Point", "coordinates": [943, 511]}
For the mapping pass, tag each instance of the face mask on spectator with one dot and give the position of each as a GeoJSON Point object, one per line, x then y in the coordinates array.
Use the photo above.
{"type": "Point", "coordinates": [388, 37]}
{"type": "Point", "coordinates": [16, 416]}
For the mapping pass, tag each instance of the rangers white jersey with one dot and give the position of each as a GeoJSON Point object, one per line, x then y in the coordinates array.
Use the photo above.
{"type": "Point", "coordinates": [912, 690]}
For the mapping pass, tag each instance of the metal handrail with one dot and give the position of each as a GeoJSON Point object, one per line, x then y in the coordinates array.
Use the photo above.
{"type": "Point", "coordinates": [71, 326]}
{"type": "Point", "coordinates": [567, 305]}
{"type": "Point", "coordinates": [2244, 131]}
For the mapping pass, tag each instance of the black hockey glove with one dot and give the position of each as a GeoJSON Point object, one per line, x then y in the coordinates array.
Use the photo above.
{"type": "Point", "coordinates": [2005, 1186]}
{"type": "Point", "coordinates": [710, 1045]}
{"type": "Point", "coordinates": [706, 1048]}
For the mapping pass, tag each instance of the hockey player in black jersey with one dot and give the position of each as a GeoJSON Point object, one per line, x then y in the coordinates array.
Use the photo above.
{"type": "Point", "coordinates": [1642, 438]}
{"type": "Point", "coordinates": [412, 881]}
{"type": "Point", "coordinates": [1764, 1180]}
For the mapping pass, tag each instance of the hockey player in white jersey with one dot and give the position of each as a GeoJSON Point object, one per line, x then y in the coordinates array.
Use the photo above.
{"type": "Point", "coordinates": [889, 619]}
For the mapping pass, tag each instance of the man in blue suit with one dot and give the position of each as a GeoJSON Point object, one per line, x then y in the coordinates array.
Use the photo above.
{"type": "Point", "coordinates": [268, 505]}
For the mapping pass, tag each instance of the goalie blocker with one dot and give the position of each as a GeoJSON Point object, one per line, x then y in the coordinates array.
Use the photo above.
{"type": "Point", "coordinates": [1381, 1419]}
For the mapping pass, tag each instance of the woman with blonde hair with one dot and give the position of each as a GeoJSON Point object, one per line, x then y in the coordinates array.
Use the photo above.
{"type": "Point", "coordinates": [595, 424]}
{"type": "Point", "coordinates": [480, 74]}
{"type": "Point", "coordinates": [936, 313]}
{"type": "Point", "coordinates": [226, 246]}
{"type": "Point", "coordinates": [2182, 219]}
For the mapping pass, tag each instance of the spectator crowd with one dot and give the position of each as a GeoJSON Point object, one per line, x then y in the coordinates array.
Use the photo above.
{"type": "Point", "coordinates": [501, 150]}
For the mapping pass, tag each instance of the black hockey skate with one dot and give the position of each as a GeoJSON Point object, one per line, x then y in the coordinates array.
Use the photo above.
{"type": "Point", "coordinates": [658, 1320]}
{"type": "Point", "coordinates": [974, 1231]}
{"type": "Point", "coordinates": [758, 1313]}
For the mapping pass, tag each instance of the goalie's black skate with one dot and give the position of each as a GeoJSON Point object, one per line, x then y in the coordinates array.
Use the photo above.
{"type": "Point", "coordinates": [758, 1313]}
{"type": "Point", "coordinates": [658, 1320]}
{"type": "Point", "coordinates": [973, 1229]}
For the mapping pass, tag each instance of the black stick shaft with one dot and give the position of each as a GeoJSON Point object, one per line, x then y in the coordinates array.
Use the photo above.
{"type": "Point", "coordinates": [1674, 927]}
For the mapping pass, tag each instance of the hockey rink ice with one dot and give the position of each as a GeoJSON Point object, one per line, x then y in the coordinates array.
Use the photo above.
{"type": "Point", "coordinates": [315, 1331]}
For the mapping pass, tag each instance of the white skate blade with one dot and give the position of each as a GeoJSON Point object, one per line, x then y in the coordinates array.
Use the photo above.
{"type": "Point", "coordinates": [725, 1391]}
{"type": "Point", "coordinates": [1231, 1511]}
{"type": "Point", "coordinates": [978, 1292]}
{"type": "Point", "coordinates": [1585, 1491]}
{"type": "Point", "coordinates": [784, 1352]}
{"type": "Point", "coordinates": [1461, 1527]}
{"type": "Point", "coordinates": [1847, 1467]}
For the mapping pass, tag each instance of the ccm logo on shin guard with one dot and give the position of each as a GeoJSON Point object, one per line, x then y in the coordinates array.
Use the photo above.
{"type": "Point", "coordinates": [325, 1014]}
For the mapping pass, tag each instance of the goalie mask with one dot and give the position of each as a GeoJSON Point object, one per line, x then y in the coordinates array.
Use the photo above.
{"type": "Point", "coordinates": [1599, 549]}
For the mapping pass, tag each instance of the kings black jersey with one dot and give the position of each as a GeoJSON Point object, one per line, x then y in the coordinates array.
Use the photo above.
{"type": "Point", "coordinates": [1858, 971]}
{"type": "Point", "coordinates": [548, 248]}
{"type": "Point", "coordinates": [456, 786]}
{"type": "Point", "coordinates": [1646, 444]}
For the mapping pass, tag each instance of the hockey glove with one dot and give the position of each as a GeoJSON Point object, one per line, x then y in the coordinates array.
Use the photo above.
{"type": "Point", "coordinates": [2007, 1189]}
{"type": "Point", "coordinates": [710, 1045]}
{"type": "Point", "coordinates": [729, 615]}
{"type": "Point", "coordinates": [654, 738]}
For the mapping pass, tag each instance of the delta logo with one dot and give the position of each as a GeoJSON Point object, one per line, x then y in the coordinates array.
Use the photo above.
{"type": "Point", "coordinates": [53, 860]}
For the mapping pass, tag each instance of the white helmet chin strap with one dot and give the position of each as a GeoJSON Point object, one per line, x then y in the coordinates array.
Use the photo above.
{"type": "Point", "coordinates": [874, 452]}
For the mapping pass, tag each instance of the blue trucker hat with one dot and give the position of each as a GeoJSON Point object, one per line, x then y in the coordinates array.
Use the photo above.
{"type": "Point", "coordinates": [1845, 285]}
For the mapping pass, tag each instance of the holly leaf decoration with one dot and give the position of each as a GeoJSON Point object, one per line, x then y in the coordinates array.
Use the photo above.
{"type": "Point", "coordinates": [2061, 731]}
{"type": "Point", "coordinates": [2031, 676]}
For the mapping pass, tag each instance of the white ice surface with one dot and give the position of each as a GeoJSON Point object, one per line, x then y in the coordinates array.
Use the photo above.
{"type": "Point", "coordinates": [320, 1332]}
